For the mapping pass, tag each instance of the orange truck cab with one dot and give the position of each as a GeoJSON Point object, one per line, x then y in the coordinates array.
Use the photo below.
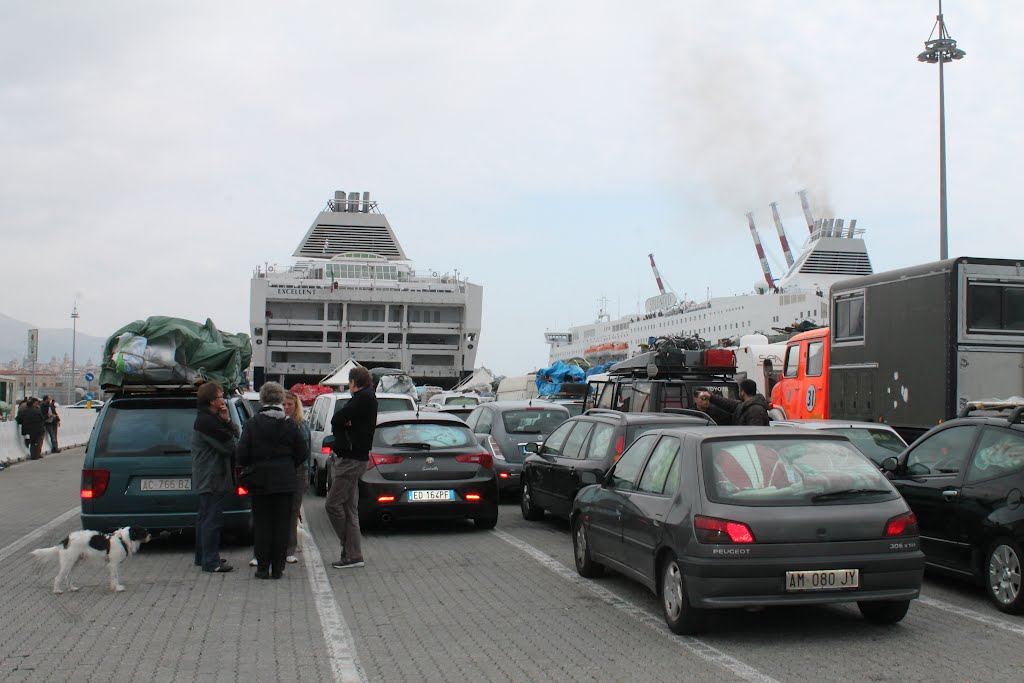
{"type": "Point", "coordinates": [802, 393]}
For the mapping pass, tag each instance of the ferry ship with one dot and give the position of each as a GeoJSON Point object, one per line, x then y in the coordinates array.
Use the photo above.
{"type": "Point", "coordinates": [352, 293]}
{"type": "Point", "coordinates": [833, 252]}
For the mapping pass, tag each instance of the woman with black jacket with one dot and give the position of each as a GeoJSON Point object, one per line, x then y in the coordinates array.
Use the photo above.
{"type": "Point", "coordinates": [269, 450]}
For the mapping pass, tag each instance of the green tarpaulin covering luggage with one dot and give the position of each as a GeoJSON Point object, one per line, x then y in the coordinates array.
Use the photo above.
{"type": "Point", "coordinates": [162, 351]}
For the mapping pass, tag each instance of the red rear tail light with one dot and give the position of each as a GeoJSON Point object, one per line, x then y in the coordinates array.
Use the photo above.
{"type": "Point", "coordinates": [94, 483]}
{"type": "Point", "coordinates": [325, 450]}
{"type": "Point", "coordinates": [903, 525]}
{"type": "Point", "coordinates": [483, 459]}
{"type": "Point", "coordinates": [242, 491]}
{"type": "Point", "coordinates": [495, 448]}
{"type": "Point", "coordinates": [502, 475]}
{"type": "Point", "coordinates": [711, 530]}
{"type": "Point", "coordinates": [620, 446]}
{"type": "Point", "coordinates": [378, 459]}
{"type": "Point", "coordinates": [473, 496]}
{"type": "Point", "coordinates": [385, 499]}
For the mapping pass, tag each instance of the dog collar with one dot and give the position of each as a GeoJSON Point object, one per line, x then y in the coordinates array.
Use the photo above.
{"type": "Point", "coordinates": [124, 545]}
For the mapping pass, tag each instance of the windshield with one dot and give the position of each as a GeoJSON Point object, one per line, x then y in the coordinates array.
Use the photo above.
{"type": "Point", "coordinates": [143, 428]}
{"type": "Point", "coordinates": [791, 471]}
{"type": "Point", "coordinates": [432, 434]}
{"type": "Point", "coordinates": [533, 420]}
{"type": "Point", "coordinates": [877, 444]}
{"type": "Point", "coordinates": [384, 405]}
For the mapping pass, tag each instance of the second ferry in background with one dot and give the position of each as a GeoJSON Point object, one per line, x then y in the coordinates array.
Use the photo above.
{"type": "Point", "coordinates": [833, 252]}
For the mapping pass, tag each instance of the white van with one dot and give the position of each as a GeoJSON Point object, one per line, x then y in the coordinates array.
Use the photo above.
{"type": "Point", "coordinates": [520, 388]}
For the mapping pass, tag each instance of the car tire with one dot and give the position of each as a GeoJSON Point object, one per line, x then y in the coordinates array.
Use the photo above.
{"type": "Point", "coordinates": [321, 481]}
{"type": "Point", "coordinates": [1002, 576]}
{"type": "Point", "coordinates": [585, 564]}
{"type": "Point", "coordinates": [884, 611]}
{"type": "Point", "coordinates": [530, 512]}
{"type": "Point", "coordinates": [488, 522]}
{"type": "Point", "coordinates": [682, 617]}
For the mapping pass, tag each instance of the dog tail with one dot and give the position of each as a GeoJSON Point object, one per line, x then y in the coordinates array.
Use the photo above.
{"type": "Point", "coordinates": [46, 553]}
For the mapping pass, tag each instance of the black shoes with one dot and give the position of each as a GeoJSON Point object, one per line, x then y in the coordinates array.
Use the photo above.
{"type": "Point", "coordinates": [220, 569]}
{"type": "Point", "coordinates": [262, 574]}
{"type": "Point", "coordinates": [348, 563]}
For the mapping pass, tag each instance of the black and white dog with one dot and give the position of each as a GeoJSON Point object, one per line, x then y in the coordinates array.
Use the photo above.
{"type": "Point", "coordinates": [113, 548]}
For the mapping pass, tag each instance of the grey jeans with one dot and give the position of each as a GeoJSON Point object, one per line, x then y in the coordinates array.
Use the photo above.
{"type": "Point", "coordinates": [301, 481]}
{"type": "Point", "coordinates": [342, 505]}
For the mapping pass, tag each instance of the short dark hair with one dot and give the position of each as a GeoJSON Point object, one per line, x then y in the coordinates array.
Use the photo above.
{"type": "Point", "coordinates": [46, 397]}
{"type": "Point", "coordinates": [748, 387]}
{"type": "Point", "coordinates": [361, 376]}
{"type": "Point", "coordinates": [207, 394]}
{"type": "Point", "coordinates": [700, 390]}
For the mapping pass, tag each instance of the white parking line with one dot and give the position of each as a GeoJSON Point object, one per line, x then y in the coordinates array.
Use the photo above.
{"type": "Point", "coordinates": [341, 649]}
{"type": "Point", "coordinates": [971, 614]}
{"type": "Point", "coordinates": [9, 550]}
{"type": "Point", "coordinates": [694, 645]}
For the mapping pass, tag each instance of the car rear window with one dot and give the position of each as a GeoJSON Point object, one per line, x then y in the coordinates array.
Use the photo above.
{"type": "Point", "coordinates": [384, 405]}
{"type": "Point", "coordinates": [432, 434]}
{"type": "Point", "coordinates": [461, 401]}
{"type": "Point", "coordinates": [806, 471]}
{"type": "Point", "coordinates": [877, 444]}
{"type": "Point", "coordinates": [532, 420]}
{"type": "Point", "coordinates": [147, 428]}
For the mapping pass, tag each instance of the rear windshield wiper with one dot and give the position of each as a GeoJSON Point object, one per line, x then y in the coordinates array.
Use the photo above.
{"type": "Point", "coordinates": [412, 444]}
{"type": "Point", "coordinates": [846, 493]}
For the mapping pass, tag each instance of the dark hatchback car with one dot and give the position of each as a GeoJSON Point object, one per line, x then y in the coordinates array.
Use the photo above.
{"type": "Point", "coordinates": [581, 450]}
{"type": "Point", "coordinates": [426, 465]}
{"type": "Point", "coordinates": [728, 517]}
{"type": "Point", "coordinates": [965, 481]}
{"type": "Point", "coordinates": [138, 465]}
{"type": "Point", "coordinates": [506, 428]}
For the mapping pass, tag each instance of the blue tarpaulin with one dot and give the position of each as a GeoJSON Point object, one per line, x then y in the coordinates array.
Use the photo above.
{"type": "Point", "coordinates": [550, 380]}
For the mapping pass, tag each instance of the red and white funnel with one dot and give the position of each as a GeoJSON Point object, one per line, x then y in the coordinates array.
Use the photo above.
{"type": "Point", "coordinates": [657, 275]}
{"type": "Point", "coordinates": [782, 234]}
{"type": "Point", "coordinates": [760, 252]}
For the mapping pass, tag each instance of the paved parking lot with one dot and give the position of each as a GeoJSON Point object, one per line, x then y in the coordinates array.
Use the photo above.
{"type": "Point", "coordinates": [435, 602]}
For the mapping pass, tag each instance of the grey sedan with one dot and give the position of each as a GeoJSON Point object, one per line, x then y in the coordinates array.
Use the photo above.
{"type": "Point", "coordinates": [730, 517]}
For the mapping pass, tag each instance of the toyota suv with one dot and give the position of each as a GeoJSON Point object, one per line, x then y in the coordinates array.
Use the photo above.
{"type": "Point", "coordinates": [138, 464]}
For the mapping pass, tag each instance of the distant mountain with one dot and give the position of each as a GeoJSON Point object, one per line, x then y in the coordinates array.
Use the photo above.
{"type": "Point", "coordinates": [52, 342]}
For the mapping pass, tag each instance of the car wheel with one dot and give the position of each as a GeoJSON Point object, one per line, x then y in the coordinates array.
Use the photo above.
{"type": "Point", "coordinates": [321, 481]}
{"type": "Point", "coordinates": [884, 611]}
{"type": "Point", "coordinates": [1003, 576]}
{"type": "Point", "coordinates": [530, 512]}
{"type": "Point", "coordinates": [488, 522]}
{"type": "Point", "coordinates": [680, 615]}
{"type": "Point", "coordinates": [585, 565]}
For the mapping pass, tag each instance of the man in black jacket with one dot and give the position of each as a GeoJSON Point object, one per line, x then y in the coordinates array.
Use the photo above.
{"type": "Point", "coordinates": [353, 426]}
{"type": "Point", "coordinates": [51, 421]}
{"type": "Point", "coordinates": [33, 427]}
{"type": "Point", "coordinates": [214, 437]}
{"type": "Point", "coordinates": [750, 411]}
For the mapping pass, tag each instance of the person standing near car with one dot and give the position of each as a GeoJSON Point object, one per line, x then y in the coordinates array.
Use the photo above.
{"type": "Point", "coordinates": [353, 426]}
{"type": "Point", "coordinates": [270, 450]}
{"type": "Point", "coordinates": [51, 420]}
{"type": "Point", "coordinates": [750, 411]}
{"type": "Point", "coordinates": [214, 438]}
{"type": "Point", "coordinates": [33, 428]}
{"type": "Point", "coordinates": [293, 409]}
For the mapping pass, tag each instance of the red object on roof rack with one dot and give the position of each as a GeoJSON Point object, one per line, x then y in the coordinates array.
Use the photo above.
{"type": "Point", "coordinates": [307, 393]}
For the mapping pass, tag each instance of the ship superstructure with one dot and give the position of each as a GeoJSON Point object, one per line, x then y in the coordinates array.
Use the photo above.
{"type": "Point", "coordinates": [353, 293]}
{"type": "Point", "coordinates": [833, 252]}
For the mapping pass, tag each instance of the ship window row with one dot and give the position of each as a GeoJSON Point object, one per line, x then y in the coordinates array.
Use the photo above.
{"type": "Point", "coordinates": [284, 337]}
{"type": "Point", "coordinates": [309, 310]}
{"type": "Point", "coordinates": [361, 271]}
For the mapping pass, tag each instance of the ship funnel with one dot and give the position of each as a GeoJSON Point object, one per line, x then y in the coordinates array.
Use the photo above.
{"type": "Point", "coordinates": [807, 210]}
{"type": "Point", "coordinates": [782, 234]}
{"type": "Point", "coordinates": [853, 225]}
{"type": "Point", "coordinates": [366, 202]}
{"type": "Point", "coordinates": [760, 252]}
{"type": "Point", "coordinates": [657, 275]}
{"type": "Point", "coordinates": [340, 201]}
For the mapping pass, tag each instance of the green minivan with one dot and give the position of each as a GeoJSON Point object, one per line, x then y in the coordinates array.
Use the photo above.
{"type": "Point", "coordinates": [138, 465]}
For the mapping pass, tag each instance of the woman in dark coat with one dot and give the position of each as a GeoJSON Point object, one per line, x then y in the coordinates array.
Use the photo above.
{"type": "Point", "coordinates": [271, 447]}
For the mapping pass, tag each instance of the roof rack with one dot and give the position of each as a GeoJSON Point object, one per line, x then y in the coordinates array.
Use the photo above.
{"type": "Point", "coordinates": [1016, 406]}
{"type": "Point", "coordinates": [150, 389]}
{"type": "Point", "coordinates": [602, 411]}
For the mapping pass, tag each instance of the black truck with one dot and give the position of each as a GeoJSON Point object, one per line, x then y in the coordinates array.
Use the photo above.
{"type": "Point", "coordinates": [912, 347]}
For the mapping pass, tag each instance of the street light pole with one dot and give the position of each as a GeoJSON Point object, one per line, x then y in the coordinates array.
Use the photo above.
{"type": "Point", "coordinates": [939, 51]}
{"type": "Point", "coordinates": [74, 338]}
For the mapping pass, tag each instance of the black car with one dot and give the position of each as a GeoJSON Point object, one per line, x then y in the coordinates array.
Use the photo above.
{"type": "Point", "coordinates": [426, 465]}
{"type": "Point", "coordinates": [581, 450]}
{"type": "Point", "coordinates": [506, 428]}
{"type": "Point", "coordinates": [736, 517]}
{"type": "Point", "coordinates": [965, 481]}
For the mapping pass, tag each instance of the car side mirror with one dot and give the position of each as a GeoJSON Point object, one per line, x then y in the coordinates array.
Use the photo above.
{"type": "Point", "coordinates": [329, 440]}
{"type": "Point", "coordinates": [606, 481]}
{"type": "Point", "coordinates": [533, 447]}
{"type": "Point", "coordinates": [588, 477]}
{"type": "Point", "coordinates": [891, 465]}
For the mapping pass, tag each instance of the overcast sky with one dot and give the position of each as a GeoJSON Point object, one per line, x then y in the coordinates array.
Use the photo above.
{"type": "Point", "coordinates": [151, 154]}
